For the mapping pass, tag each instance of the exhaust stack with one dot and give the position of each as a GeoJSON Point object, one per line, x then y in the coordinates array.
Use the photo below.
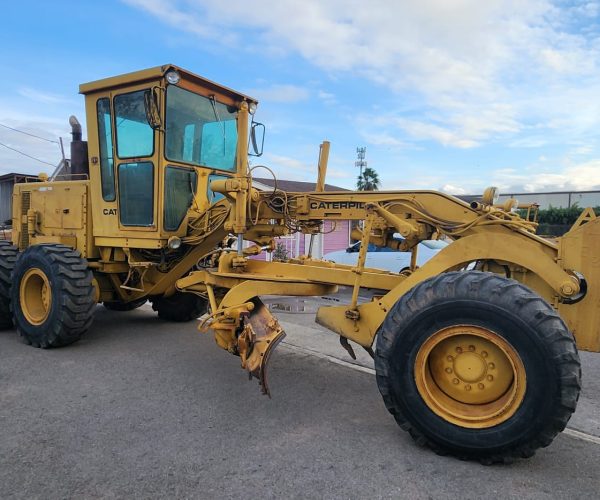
{"type": "Point", "coordinates": [79, 151]}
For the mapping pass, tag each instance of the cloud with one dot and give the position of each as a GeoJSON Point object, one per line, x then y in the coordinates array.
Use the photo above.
{"type": "Point", "coordinates": [531, 141]}
{"type": "Point", "coordinates": [487, 70]}
{"type": "Point", "coordinates": [327, 97]}
{"type": "Point", "coordinates": [443, 135]}
{"type": "Point", "coordinates": [289, 168]}
{"type": "Point", "coordinates": [280, 93]}
{"type": "Point", "coordinates": [581, 149]}
{"type": "Point", "coordinates": [41, 96]}
{"type": "Point", "coordinates": [579, 177]}
{"type": "Point", "coordinates": [383, 138]}
{"type": "Point", "coordinates": [186, 20]}
{"type": "Point", "coordinates": [452, 189]}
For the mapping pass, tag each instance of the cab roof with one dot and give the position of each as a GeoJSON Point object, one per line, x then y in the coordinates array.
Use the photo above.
{"type": "Point", "coordinates": [155, 73]}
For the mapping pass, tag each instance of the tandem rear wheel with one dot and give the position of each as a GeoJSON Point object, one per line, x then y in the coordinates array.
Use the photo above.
{"type": "Point", "coordinates": [179, 307]}
{"type": "Point", "coordinates": [52, 296]}
{"type": "Point", "coordinates": [477, 366]}
{"type": "Point", "coordinates": [8, 257]}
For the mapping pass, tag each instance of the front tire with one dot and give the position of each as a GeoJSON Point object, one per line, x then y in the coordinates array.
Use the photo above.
{"type": "Point", "coordinates": [180, 307]}
{"type": "Point", "coordinates": [477, 366]}
{"type": "Point", "coordinates": [52, 297]}
{"type": "Point", "coordinates": [8, 257]}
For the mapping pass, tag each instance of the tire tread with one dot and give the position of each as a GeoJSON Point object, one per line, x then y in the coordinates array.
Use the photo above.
{"type": "Point", "coordinates": [8, 257]}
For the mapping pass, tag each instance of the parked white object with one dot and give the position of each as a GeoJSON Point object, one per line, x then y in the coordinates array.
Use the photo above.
{"type": "Point", "coordinates": [387, 258]}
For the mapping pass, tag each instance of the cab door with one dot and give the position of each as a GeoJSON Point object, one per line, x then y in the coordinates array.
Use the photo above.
{"type": "Point", "coordinates": [135, 151]}
{"type": "Point", "coordinates": [123, 150]}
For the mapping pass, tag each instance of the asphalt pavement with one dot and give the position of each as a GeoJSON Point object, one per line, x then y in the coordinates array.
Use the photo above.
{"type": "Point", "coordinates": [141, 408]}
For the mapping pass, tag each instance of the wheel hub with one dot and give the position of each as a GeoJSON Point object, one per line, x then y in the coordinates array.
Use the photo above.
{"type": "Point", "coordinates": [470, 376]}
{"type": "Point", "coordinates": [469, 367]}
{"type": "Point", "coordinates": [35, 296]}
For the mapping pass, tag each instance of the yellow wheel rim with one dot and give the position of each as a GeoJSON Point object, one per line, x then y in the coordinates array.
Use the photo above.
{"type": "Point", "coordinates": [470, 376]}
{"type": "Point", "coordinates": [36, 296]}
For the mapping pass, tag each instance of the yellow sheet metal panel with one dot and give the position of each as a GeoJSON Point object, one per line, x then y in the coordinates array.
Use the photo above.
{"type": "Point", "coordinates": [57, 213]}
{"type": "Point", "coordinates": [60, 206]}
{"type": "Point", "coordinates": [580, 251]}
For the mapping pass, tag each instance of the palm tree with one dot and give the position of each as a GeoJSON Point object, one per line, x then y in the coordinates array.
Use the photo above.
{"type": "Point", "coordinates": [369, 181]}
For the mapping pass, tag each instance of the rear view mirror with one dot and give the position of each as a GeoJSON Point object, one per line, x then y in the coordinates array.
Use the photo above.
{"type": "Point", "coordinates": [152, 108]}
{"type": "Point", "coordinates": [257, 139]}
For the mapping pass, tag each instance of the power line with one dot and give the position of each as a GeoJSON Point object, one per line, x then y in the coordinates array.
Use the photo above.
{"type": "Point", "coordinates": [27, 133]}
{"type": "Point", "coordinates": [28, 156]}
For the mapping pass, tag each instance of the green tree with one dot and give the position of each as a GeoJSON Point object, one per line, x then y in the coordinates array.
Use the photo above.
{"type": "Point", "coordinates": [368, 181]}
{"type": "Point", "coordinates": [280, 253]}
{"type": "Point", "coordinates": [556, 221]}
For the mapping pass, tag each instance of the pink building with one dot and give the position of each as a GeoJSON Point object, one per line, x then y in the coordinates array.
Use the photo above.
{"type": "Point", "coordinates": [336, 234]}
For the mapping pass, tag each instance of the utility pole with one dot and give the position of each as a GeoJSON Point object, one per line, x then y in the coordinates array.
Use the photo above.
{"type": "Point", "coordinates": [360, 161]}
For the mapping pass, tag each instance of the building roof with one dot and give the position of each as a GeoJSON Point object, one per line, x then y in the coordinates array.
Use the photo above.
{"type": "Point", "coordinates": [295, 186]}
{"type": "Point", "coordinates": [511, 194]}
{"type": "Point", "coordinates": [15, 177]}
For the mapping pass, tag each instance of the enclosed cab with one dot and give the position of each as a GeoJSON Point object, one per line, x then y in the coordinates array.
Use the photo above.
{"type": "Point", "coordinates": [156, 138]}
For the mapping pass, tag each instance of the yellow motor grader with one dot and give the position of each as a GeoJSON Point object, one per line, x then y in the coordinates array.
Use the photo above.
{"type": "Point", "coordinates": [476, 351]}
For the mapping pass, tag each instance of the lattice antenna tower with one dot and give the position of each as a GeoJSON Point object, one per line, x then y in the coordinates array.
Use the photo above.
{"type": "Point", "coordinates": [360, 162]}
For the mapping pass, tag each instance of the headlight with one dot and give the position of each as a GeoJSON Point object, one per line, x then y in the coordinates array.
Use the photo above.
{"type": "Point", "coordinates": [252, 108]}
{"type": "Point", "coordinates": [172, 77]}
{"type": "Point", "coordinates": [510, 205]}
{"type": "Point", "coordinates": [490, 196]}
{"type": "Point", "coordinates": [174, 242]}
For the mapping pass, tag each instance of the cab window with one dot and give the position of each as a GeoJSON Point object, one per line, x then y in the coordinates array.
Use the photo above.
{"type": "Point", "coordinates": [107, 171]}
{"type": "Point", "coordinates": [135, 137]}
{"type": "Point", "coordinates": [136, 193]}
{"type": "Point", "coordinates": [200, 130]}
{"type": "Point", "coordinates": [180, 187]}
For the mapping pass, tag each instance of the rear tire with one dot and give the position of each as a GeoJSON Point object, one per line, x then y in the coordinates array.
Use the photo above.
{"type": "Point", "coordinates": [53, 298]}
{"type": "Point", "coordinates": [8, 257]}
{"type": "Point", "coordinates": [180, 307]}
{"type": "Point", "coordinates": [124, 306]}
{"type": "Point", "coordinates": [477, 366]}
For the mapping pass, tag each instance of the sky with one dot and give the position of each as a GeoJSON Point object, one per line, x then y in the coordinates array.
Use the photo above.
{"type": "Point", "coordinates": [452, 95]}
